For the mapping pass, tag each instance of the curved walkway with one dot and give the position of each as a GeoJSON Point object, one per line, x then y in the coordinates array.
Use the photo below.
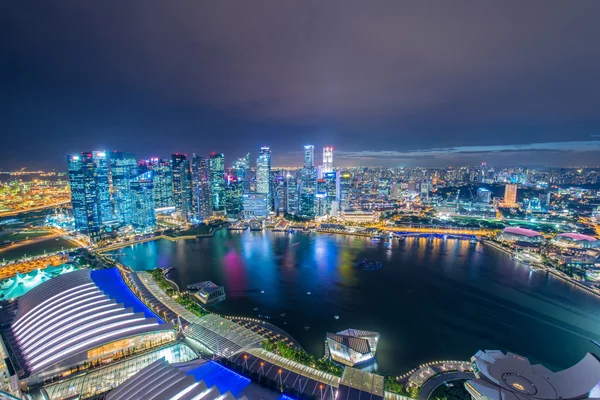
{"type": "Point", "coordinates": [431, 384]}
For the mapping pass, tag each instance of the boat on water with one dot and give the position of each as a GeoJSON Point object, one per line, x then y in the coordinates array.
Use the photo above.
{"type": "Point", "coordinates": [306, 328]}
{"type": "Point", "coordinates": [255, 308]}
{"type": "Point", "coordinates": [308, 293]}
{"type": "Point", "coordinates": [336, 317]}
{"type": "Point", "coordinates": [282, 314]}
{"type": "Point", "coordinates": [262, 292]}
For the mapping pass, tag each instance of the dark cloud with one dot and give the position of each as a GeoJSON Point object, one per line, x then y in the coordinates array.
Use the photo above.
{"type": "Point", "coordinates": [161, 76]}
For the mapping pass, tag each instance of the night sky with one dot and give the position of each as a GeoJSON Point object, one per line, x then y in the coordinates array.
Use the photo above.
{"type": "Point", "coordinates": [389, 83]}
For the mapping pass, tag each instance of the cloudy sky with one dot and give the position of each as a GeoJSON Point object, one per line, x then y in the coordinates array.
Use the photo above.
{"type": "Point", "coordinates": [385, 82]}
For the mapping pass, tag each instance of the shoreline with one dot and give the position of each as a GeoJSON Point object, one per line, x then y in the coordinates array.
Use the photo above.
{"type": "Point", "coordinates": [550, 270]}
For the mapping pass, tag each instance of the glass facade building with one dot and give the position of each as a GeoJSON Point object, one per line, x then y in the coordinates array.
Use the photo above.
{"type": "Point", "coordinates": [263, 174]}
{"type": "Point", "coordinates": [201, 195]}
{"type": "Point", "coordinates": [144, 216]}
{"type": "Point", "coordinates": [84, 194]}
{"type": "Point", "coordinates": [105, 212]}
{"type": "Point", "coordinates": [254, 205]}
{"type": "Point", "coordinates": [234, 190]}
{"type": "Point", "coordinates": [124, 169]}
{"type": "Point", "coordinates": [182, 194]}
{"type": "Point", "coordinates": [217, 182]}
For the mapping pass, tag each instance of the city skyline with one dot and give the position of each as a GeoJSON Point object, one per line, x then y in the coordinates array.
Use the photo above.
{"type": "Point", "coordinates": [400, 86]}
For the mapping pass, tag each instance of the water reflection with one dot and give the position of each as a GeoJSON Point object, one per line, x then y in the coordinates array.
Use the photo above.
{"type": "Point", "coordinates": [432, 299]}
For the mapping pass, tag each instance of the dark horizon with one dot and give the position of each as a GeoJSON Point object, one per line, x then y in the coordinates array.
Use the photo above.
{"type": "Point", "coordinates": [387, 84]}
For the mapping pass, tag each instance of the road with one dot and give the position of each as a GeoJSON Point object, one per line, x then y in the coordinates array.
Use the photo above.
{"type": "Point", "coordinates": [431, 384]}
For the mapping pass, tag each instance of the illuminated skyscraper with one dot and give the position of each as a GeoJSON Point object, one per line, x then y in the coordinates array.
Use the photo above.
{"type": "Point", "coordinates": [321, 198]}
{"type": "Point", "coordinates": [292, 194]}
{"type": "Point", "coordinates": [88, 176]}
{"type": "Point", "coordinates": [484, 195]}
{"type": "Point", "coordinates": [142, 189]}
{"type": "Point", "coordinates": [105, 211]}
{"type": "Point", "coordinates": [510, 195]}
{"type": "Point", "coordinates": [309, 156]}
{"type": "Point", "coordinates": [280, 194]}
{"type": "Point", "coordinates": [308, 188]}
{"type": "Point", "coordinates": [327, 159]}
{"type": "Point", "coordinates": [345, 189]}
{"type": "Point", "coordinates": [201, 196]}
{"type": "Point", "coordinates": [234, 191]}
{"type": "Point", "coordinates": [217, 182]}
{"type": "Point", "coordinates": [254, 205]}
{"type": "Point", "coordinates": [263, 174]}
{"type": "Point", "coordinates": [182, 192]}
{"type": "Point", "coordinates": [123, 169]}
{"type": "Point", "coordinates": [163, 183]}
{"type": "Point", "coordinates": [332, 189]}
{"type": "Point", "coordinates": [241, 168]}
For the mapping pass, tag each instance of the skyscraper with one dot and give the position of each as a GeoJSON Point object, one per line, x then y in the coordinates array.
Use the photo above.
{"type": "Point", "coordinates": [84, 194]}
{"type": "Point", "coordinates": [123, 168]}
{"type": "Point", "coordinates": [280, 194]}
{"type": "Point", "coordinates": [234, 190]}
{"type": "Point", "coordinates": [309, 156]}
{"type": "Point", "coordinates": [163, 183]}
{"type": "Point", "coordinates": [263, 174]}
{"type": "Point", "coordinates": [241, 168]}
{"type": "Point", "coordinates": [345, 188]}
{"type": "Point", "coordinates": [327, 159]}
{"type": "Point", "coordinates": [332, 189]}
{"type": "Point", "coordinates": [217, 182]}
{"type": "Point", "coordinates": [182, 193]}
{"type": "Point", "coordinates": [510, 195]}
{"type": "Point", "coordinates": [308, 188]}
{"type": "Point", "coordinates": [292, 194]}
{"type": "Point", "coordinates": [105, 211]}
{"type": "Point", "coordinates": [202, 199]}
{"type": "Point", "coordinates": [143, 214]}
{"type": "Point", "coordinates": [321, 198]}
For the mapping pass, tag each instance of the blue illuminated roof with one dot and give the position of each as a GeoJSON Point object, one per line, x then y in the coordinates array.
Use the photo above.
{"type": "Point", "coordinates": [225, 379]}
{"type": "Point", "coordinates": [111, 283]}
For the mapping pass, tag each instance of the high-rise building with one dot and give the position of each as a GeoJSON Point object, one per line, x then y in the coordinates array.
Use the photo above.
{"type": "Point", "coordinates": [280, 195]}
{"type": "Point", "coordinates": [123, 169]}
{"type": "Point", "coordinates": [163, 183]}
{"type": "Point", "coordinates": [309, 156]}
{"type": "Point", "coordinates": [345, 190]}
{"type": "Point", "coordinates": [241, 168]}
{"type": "Point", "coordinates": [484, 195]}
{"type": "Point", "coordinates": [308, 188]}
{"type": "Point", "coordinates": [234, 191]}
{"type": "Point", "coordinates": [292, 194]}
{"type": "Point", "coordinates": [142, 188]}
{"type": "Point", "coordinates": [510, 194]}
{"type": "Point", "coordinates": [84, 194]}
{"type": "Point", "coordinates": [201, 195]}
{"type": "Point", "coordinates": [105, 211]}
{"type": "Point", "coordinates": [321, 198]}
{"type": "Point", "coordinates": [327, 159]}
{"type": "Point", "coordinates": [217, 182]}
{"type": "Point", "coordinates": [182, 192]}
{"type": "Point", "coordinates": [263, 174]}
{"type": "Point", "coordinates": [254, 205]}
{"type": "Point", "coordinates": [482, 176]}
{"type": "Point", "coordinates": [332, 189]}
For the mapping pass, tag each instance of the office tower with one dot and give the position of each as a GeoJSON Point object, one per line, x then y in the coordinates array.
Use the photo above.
{"type": "Point", "coordinates": [241, 168]}
{"type": "Point", "coordinates": [182, 193]}
{"type": "Point", "coordinates": [309, 156]}
{"type": "Point", "coordinates": [254, 205]}
{"type": "Point", "coordinates": [123, 169]}
{"type": "Point", "coordinates": [82, 178]}
{"type": "Point", "coordinates": [217, 182]}
{"type": "Point", "coordinates": [321, 198]}
{"type": "Point", "coordinates": [412, 186]}
{"type": "Point", "coordinates": [163, 183]}
{"type": "Point", "coordinates": [482, 176]}
{"type": "Point", "coordinates": [142, 189]}
{"type": "Point", "coordinates": [201, 196]}
{"type": "Point", "coordinates": [234, 191]}
{"type": "Point", "coordinates": [263, 174]}
{"type": "Point", "coordinates": [425, 189]}
{"type": "Point", "coordinates": [510, 195]}
{"type": "Point", "coordinates": [292, 194]}
{"type": "Point", "coordinates": [308, 187]}
{"type": "Point", "coordinates": [332, 189]}
{"type": "Point", "coordinates": [484, 195]}
{"type": "Point", "coordinates": [345, 189]}
{"type": "Point", "coordinates": [327, 159]}
{"type": "Point", "coordinates": [105, 211]}
{"type": "Point", "coordinates": [280, 194]}
{"type": "Point", "coordinates": [383, 187]}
